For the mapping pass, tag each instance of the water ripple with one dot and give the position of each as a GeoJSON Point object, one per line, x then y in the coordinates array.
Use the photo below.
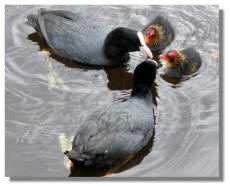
{"type": "Point", "coordinates": [186, 139]}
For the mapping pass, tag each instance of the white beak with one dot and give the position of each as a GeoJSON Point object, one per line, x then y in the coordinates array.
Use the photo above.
{"type": "Point", "coordinates": [144, 48]}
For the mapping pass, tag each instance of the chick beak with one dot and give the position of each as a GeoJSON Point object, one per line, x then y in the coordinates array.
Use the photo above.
{"type": "Point", "coordinates": [166, 60]}
{"type": "Point", "coordinates": [164, 56]}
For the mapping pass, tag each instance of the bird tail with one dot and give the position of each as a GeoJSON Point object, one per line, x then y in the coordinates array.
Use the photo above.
{"type": "Point", "coordinates": [74, 155]}
{"type": "Point", "coordinates": [32, 20]}
{"type": "Point", "coordinates": [80, 158]}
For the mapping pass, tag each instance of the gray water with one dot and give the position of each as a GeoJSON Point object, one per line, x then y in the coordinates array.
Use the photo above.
{"type": "Point", "coordinates": [48, 97]}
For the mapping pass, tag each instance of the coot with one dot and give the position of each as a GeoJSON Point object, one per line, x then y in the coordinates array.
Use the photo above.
{"type": "Point", "coordinates": [85, 39]}
{"type": "Point", "coordinates": [114, 132]}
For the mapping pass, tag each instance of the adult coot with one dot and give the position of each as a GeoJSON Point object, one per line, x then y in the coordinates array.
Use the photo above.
{"type": "Point", "coordinates": [85, 39]}
{"type": "Point", "coordinates": [158, 34]}
{"type": "Point", "coordinates": [181, 63]}
{"type": "Point", "coordinates": [116, 131]}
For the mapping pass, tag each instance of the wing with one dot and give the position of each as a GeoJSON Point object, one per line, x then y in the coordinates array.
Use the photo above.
{"type": "Point", "coordinates": [112, 133]}
{"type": "Point", "coordinates": [57, 13]}
{"type": "Point", "coordinates": [61, 13]}
{"type": "Point", "coordinates": [72, 36]}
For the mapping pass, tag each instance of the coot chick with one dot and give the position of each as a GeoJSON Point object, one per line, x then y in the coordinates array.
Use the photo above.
{"type": "Point", "coordinates": [114, 132]}
{"type": "Point", "coordinates": [158, 34]}
{"type": "Point", "coordinates": [85, 39]}
{"type": "Point", "coordinates": [181, 63]}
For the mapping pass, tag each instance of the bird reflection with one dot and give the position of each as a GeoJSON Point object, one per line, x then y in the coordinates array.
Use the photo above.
{"type": "Point", "coordinates": [119, 78]}
{"type": "Point", "coordinates": [174, 81]}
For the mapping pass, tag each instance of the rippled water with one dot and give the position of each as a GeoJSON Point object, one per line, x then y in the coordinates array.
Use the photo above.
{"type": "Point", "coordinates": [48, 97]}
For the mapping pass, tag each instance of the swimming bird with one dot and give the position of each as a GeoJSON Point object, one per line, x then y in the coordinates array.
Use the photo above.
{"type": "Point", "coordinates": [158, 34]}
{"type": "Point", "coordinates": [87, 40]}
{"type": "Point", "coordinates": [179, 63]}
{"type": "Point", "coordinates": [116, 131]}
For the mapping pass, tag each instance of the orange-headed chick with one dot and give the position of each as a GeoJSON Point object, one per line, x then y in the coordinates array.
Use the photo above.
{"type": "Point", "coordinates": [181, 63]}
{"type": "Point", "coordinates": [158, 34]}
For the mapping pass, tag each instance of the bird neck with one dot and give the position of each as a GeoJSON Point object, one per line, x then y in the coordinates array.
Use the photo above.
{"type": "Point", "coordinates": [141, 91]}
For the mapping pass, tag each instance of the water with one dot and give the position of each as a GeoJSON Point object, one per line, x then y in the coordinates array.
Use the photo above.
{"type": "Point", "coordinates": [48, 97]}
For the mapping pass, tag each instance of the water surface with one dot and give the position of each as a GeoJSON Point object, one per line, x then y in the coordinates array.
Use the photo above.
{"type": "Point", "coordinates": [48, 97]}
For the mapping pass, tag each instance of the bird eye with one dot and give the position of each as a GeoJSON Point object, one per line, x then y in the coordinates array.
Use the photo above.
{"type": "Point", "coordinates": [170, 56]}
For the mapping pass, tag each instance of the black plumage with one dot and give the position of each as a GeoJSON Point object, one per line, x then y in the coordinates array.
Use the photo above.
{"type": "Point", "coordinates": [86, 40]}
{"type": "Point", "coordinates": [114, 132]}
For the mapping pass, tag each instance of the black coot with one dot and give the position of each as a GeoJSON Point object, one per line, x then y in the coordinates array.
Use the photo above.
{"type": "Point", "coordinates": [158, 34]}
{"type": "Point", "coordinates": [181, 63]}
{"type": "Point", "coordinates": [85, 39]}
{"type": "Point", "coordinates": [116, 131]}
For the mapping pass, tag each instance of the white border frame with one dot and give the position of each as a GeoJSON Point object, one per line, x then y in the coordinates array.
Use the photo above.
{"type": "Point", "coordinates": [226, 91]}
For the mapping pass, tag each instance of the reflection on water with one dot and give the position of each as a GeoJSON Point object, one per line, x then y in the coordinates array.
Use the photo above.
{"type": "Point", "coordinates": [39, 109]}
{"type": "Point", "coordinates": [174, 81]}
{"type": "Point", "coordinates": [118, 78]}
